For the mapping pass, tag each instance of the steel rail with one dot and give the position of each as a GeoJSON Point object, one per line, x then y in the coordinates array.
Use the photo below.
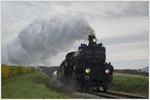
{"type": "Point", "coordinates": [116, 95]}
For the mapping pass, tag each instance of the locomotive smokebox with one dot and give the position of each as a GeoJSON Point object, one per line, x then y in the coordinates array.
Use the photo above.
{"type": "Point", "coordinates": [92, 40]}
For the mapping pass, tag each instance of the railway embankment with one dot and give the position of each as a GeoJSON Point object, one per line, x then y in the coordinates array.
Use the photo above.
{"type": "Point", "coordinates": [29, 85]}
{"type": "Point", "coordinates": [130, 84]}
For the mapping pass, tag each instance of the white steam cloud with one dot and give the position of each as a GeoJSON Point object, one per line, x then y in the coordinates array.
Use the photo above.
{"type": "Point", "coordinates": [42, 39]}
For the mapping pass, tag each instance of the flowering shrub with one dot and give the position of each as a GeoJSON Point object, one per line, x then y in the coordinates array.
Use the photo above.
{"type": "Point", "coordinates": [5, 70]}
{"type": "Point", "coordinates": [34, 69]}
{"type": "Point", "coordinates": [14, 70]}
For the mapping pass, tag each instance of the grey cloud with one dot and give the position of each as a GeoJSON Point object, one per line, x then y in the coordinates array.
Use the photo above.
{"type": "Point", "coordinates": [127, 39]}
{"type": "Point", "coordinates": [130, 64]}
{"type": "Point", "coordinates": [137, 9]}
{"type": "Point", "coordinates": [134, 9]}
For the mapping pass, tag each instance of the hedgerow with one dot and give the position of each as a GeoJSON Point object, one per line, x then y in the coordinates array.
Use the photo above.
{"type": "Point", "coordinates": [8, 71]}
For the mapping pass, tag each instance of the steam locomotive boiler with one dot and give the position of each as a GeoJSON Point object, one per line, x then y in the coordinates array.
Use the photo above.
{"type": "Point", "coordinates": [86, 68]}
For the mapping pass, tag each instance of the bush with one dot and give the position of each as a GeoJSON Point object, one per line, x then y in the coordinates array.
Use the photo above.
{"type": "Point", "coordinates": [5, 70]}
{"type": "Point", "coordinates": [29, 69]}
{"type": "Point", "coordinates": [14, 70]}
{"type": "Point", "coordinates": [21, 69]}
{"type": "Point", "coordinates": [24, 69]}
{"type": "Point", "coordinates": [34, 69]}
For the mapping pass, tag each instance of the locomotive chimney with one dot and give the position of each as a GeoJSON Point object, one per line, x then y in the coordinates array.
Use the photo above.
{"type": "Point", "coordinates": [92, 40]}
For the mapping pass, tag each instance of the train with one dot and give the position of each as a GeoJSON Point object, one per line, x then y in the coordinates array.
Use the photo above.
{"type": "Point", "coordinates": [86, 68]}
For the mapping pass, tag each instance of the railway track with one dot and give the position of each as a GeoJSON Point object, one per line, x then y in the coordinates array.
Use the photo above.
{"type": "Point", "coordinates": [116, 95]}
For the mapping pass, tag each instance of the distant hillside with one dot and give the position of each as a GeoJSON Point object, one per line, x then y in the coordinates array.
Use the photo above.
{"type": "Point", "coordinates": [48, 70]}
{"type": "Point", "coordinates": [145, 69]}
{"type": "Point", "coordinates": [131, 71]}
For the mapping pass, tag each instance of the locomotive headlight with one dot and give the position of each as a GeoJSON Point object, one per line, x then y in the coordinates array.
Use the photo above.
{"type": "Point", "coordinates": [107, 71]}
{"type": "Point", "coordinates": [94, 40]}
{"type": "Point", "coordinates": [87, 70]}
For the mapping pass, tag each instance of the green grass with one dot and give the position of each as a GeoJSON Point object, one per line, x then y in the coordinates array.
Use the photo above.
{"type": "Point", "coordinates": [29, 85]}
{"type": "Point", "coordinates": [36, 85]}
{"type": "Point", "coordinates": [130, 84]}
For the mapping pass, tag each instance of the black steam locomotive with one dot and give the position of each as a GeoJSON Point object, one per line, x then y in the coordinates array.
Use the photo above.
{"type": "Point", "coordinates": [86, 68]}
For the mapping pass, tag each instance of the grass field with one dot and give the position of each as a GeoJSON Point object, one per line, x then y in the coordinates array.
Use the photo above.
{"type": "Point", "coordinates": [130, 84]}
{"type": "Point", "coordinates": [36, 85]}
{"type": "Point", "coordinates": [29, 85]}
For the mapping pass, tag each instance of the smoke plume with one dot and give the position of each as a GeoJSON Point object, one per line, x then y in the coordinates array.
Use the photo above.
{"type": "Point", "coordinates": [44, 38]}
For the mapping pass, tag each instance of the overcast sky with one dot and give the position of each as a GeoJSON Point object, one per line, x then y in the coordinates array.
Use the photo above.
{"type": "Point", "coordinates": [122, 27]}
